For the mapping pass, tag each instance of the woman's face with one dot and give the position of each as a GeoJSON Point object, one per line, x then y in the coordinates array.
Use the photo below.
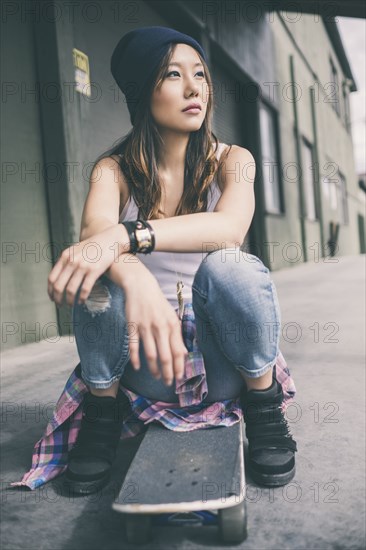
{"type": "Point", "coordinates": [183, 83]}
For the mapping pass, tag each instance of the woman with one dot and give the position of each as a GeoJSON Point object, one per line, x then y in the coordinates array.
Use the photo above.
{"type": "Point", "coordinates": [195, 212]}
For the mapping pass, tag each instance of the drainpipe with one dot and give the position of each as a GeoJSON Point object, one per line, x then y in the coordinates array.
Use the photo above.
{"type": "Point", "coordinates": [318, 196]}
{"type": "Point", "coordinates": [298, 159]}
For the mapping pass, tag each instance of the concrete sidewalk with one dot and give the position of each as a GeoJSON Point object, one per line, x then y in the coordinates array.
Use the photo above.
{"type": "Point", "coordinates": [323, 342]}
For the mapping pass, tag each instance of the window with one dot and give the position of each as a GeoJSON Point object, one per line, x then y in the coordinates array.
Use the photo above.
{"type": "Point", "coordinates": [334, 88]}
{"type": "Point", "coordinates": [343, 198]}
{"type": "Point", "coordinates": [335, 190]}
{"type": "Point", "coordinates": [347, 117]}
{"type": "Point", "coordinates": [326, 187]}
{"type": "Point", "coordinates": [308, 181]}
{"type": "Point", "coordinates": [333, 195]}
{"type": "Point", "coordinates": [270, 164]}
{"type": "Point", "coordinates": [330, 185]}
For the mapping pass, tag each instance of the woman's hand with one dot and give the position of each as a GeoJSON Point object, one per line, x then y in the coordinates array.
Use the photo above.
{"type": "Point", "coordinates": [155, 321]}
{"type": "Point", "coordinates": [83, 263]}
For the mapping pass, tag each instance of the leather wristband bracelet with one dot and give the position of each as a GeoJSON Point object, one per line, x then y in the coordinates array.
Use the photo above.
{"type": "Point", "coordinates": [145, 237]}
{"type": "Point", "coordinates": [141, 235]}
{"type": "Point", "coordinates": [130, 226]}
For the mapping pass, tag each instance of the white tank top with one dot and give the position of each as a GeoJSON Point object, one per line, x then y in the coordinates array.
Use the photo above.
{"type": "Point", "coordinates": [165, 265]}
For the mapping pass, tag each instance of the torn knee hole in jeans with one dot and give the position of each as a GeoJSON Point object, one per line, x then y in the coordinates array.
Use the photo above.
{"type": "Point", "coordinates": [99, 299]}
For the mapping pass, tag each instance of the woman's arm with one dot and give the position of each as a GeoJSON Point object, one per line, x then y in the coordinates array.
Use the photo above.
{"type": "Point", "coordinates": [126, 270]}
{"type": "Point", "coordinates": [204, 231]}
{"type": "Point", "coordinates": [230, 221]}
{"type": "Point", "coordinates": [101, 208]}
{"type": "Point", "coordinates": [151, 320]}
{"type": "Point", "coordinates": [200, 232]}
{"type": "Point", "coordinates": [225, 227]}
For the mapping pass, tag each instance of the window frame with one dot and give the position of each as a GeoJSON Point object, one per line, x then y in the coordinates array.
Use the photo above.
{"type": "Point", "coordinates": [305, 143]}
{"type": "Point", "coordinates": [336, 105]}
{"type": "Point", "coordinates": [343, 199]}
{"type": "Point", "coordinates": [272, 113]}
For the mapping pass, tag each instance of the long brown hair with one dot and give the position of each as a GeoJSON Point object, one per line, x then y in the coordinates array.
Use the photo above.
{"type": "Point", "coordinates": [138, 153]}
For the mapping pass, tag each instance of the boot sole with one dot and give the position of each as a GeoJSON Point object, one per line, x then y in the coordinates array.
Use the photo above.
{"type": "Point", "coordinates": [272, 480]}
{"type": "Point", "coordinates": [86, 487]}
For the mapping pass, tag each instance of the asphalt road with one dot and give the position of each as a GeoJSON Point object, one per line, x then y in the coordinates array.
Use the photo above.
{"type": "Point", "coordinates": [323, 342]}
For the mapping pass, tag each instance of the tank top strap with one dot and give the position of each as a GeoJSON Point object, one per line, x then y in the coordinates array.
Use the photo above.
{"type": "Point", "coordinates": [215, 191]}
{"type": "Point", "coordinates": [220, 149]}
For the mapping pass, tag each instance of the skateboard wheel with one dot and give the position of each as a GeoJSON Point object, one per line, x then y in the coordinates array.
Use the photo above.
{"type": "Point", "coordinates": [233, 523]}
{"type": "Point", "coordinates": [138, 528]}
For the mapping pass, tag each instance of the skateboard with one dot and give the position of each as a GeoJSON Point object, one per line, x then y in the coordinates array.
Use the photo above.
{"type": "Point", "coordinates": [180, 478]}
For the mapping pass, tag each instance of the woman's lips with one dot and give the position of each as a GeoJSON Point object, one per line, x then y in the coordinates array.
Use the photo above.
{"type": "Point", "coordinates": [193, 111]}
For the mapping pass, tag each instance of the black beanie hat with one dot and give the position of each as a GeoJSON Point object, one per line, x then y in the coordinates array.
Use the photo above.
{"type": "Point", "coordinates": [138, 54]}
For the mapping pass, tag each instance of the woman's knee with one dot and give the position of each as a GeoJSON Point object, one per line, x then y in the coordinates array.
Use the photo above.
{"type": "Point", "coordinates": [229, 264]}
{"type": "Point", "coordinates": [101, 334]}
{"type": "Point", "coordinates": [101, 320]}
{"type": "Point", "coordinates": [99, 299]}
{"type": "Point", "coordinates": [105, 295]}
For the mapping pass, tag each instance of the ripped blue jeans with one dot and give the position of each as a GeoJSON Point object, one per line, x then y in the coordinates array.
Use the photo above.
{"type": "Point", "coordinates": [237, 319]}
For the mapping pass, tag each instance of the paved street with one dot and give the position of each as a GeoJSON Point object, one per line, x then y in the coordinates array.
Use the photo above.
{"type": "Point", "coordinates": [323, 342]}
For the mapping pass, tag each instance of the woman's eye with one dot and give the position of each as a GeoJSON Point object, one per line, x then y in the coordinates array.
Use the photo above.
{"type": "Point", "coordinates": [199, 72]}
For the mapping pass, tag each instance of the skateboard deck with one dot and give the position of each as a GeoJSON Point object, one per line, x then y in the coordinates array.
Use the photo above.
{"type": "Point", "coordinates": [179, 472]}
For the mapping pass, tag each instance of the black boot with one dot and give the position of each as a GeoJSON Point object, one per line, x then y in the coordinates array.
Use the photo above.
{"type": "Point", "coordinates": [271, 446]}
{"type": "Point", "coordinates": [90, 460]}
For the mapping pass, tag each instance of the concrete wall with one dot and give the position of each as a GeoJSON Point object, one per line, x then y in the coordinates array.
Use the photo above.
{"type": "Point", "coordinates": [27, 313]}
{"type": "Point", "coordinates": [308, 42]}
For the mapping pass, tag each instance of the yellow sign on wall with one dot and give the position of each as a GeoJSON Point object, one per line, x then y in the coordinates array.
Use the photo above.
{"type": "Point", "coordinates": [82, 72]}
